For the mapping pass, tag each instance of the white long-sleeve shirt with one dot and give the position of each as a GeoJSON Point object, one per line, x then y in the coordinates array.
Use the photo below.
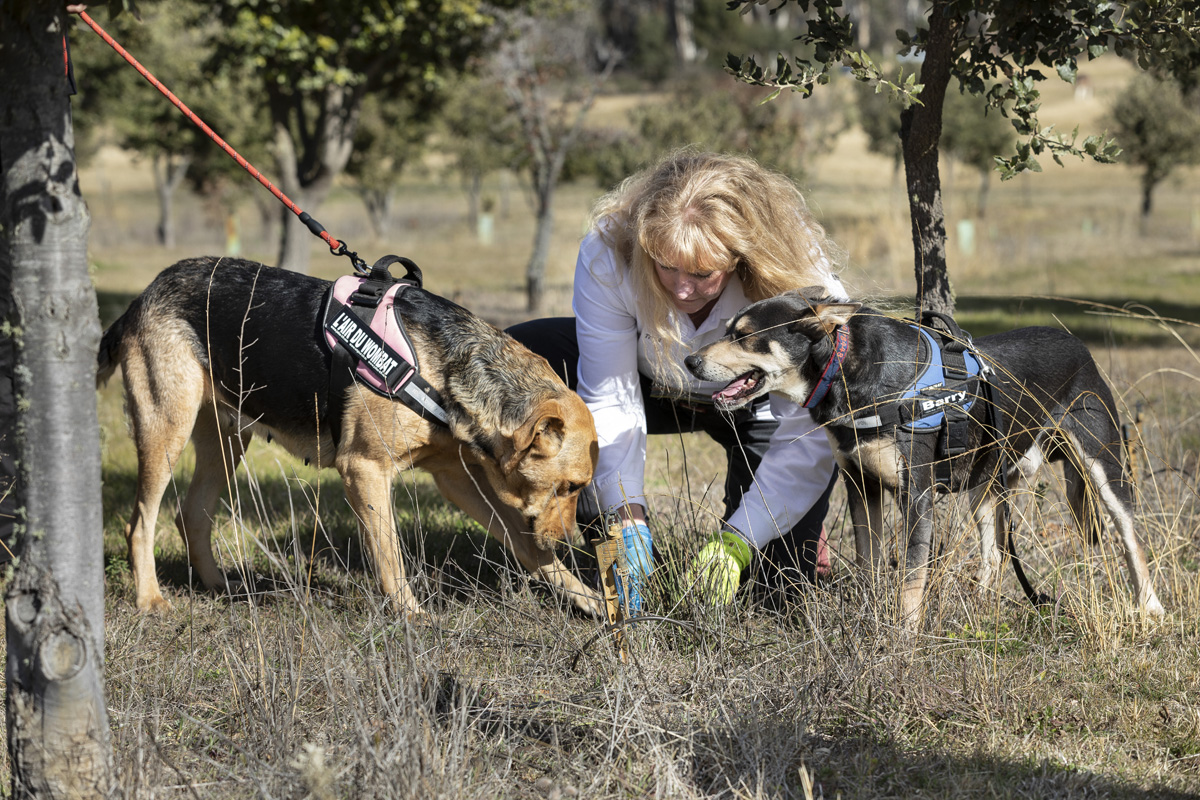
{"type": "Point", "coordinates": [612, 350]}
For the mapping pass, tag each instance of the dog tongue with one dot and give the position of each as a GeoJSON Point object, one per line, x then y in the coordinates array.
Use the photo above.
{"type": "Point", "coordinates": [731, 392]}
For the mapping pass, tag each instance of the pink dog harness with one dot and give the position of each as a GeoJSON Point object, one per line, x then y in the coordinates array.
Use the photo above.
{"type": "Point", "coordinates": [364, 331]}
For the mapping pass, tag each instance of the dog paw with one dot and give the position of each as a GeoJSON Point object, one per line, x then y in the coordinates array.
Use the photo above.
{"type": "Point", "coordinates": [1153, 608]}
{"type": "Point", "coordinates": [228, 586]}
{"type": "Point", "coordinates": [156, 604]}
{"type": "Point", "coordinates": [589, 603]}
{"type": "Point", "coordinates": [986, 578]}
{"type": "Point", "coordinates": [594, 608]}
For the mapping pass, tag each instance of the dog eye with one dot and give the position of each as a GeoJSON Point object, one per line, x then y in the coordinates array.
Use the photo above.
{"type": "Point", "coordinates": [570, 488]}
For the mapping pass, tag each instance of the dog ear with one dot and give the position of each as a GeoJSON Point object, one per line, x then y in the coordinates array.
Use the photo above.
{"type": "Point", "coordinates": [541, 435]}
{"type": "Point", "coordinates": [813, 293]}
{"type": "Point", "coordinates": [831, 315]}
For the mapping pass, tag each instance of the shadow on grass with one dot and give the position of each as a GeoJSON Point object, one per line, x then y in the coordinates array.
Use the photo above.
{"type": "Point", "coordinates": [442, 545]}
{"type": "Point", "coordinates": [763, 755]}
{"type": "Point", "coordinates": [1097, 321]}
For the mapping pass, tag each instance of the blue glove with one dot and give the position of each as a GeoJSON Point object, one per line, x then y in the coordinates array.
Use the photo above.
{"type": "Point", "coordinates": [639, 559]}
{"type": "Point", "coordinates": [716, 572]}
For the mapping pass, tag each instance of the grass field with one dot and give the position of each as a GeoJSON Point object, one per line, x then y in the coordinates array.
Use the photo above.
{"type": "Point", "coordinates": [310, 687]}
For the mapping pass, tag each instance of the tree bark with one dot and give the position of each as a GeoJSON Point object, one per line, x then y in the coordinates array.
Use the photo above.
{"type": "Point", "coordinates": [306, 176]}
{"type": "Point", "coordinates": [920, 131]}
{"type": "Point", "coordinates": [57, 723]}
{"type": "Point", "coordinates": [294, 237]}
{"type": "Point", "coordinates": [1149, 181]}
{"type": "Point", "coordinates": [169, 172]}
{"type": "Point", "coordinates": [379, 204]}
{"type": "Point", "coordinates": [535, 271]}
{"type": "Point", "coordinates": [682, 12]}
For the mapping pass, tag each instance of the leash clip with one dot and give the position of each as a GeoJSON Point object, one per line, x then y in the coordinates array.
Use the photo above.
{"type": "Point", "coordinates": [359, 265]}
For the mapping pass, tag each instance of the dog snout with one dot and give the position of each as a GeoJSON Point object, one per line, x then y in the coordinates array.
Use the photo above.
{"type": "Point", "coordinates": [694, 362]}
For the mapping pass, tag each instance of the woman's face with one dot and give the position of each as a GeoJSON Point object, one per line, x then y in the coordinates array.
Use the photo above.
{"type": "Point", "coordinates": [691, 291]}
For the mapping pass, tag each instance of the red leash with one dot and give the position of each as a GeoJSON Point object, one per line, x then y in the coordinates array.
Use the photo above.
{"type": "Point", "coordinates": [336, 246]}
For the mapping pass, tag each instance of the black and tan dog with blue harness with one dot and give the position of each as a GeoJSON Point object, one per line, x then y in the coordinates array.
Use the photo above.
{"type": "Point", "coordinates": [918, 409]}
{"type": "Point", "coordinates": [368, 375]}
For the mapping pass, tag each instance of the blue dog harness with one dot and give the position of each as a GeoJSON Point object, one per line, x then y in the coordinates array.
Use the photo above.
{"type": "Point", "coordinates": [939, 400]}
{"type": "Point", "coordinates": [934, 393]}
{"type": "Point", "coordinates": [938, 403]}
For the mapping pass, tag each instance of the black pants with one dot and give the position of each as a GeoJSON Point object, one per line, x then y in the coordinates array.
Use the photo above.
{"type": "Point", "coordinates": [744, 437]}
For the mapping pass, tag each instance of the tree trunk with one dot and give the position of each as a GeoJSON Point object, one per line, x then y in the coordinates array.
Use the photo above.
{"type": "Point", "coordinates": [307, 177]}
{"type": "Point", "coordinates": [682, 12]}
{"type": "Point", "coordinates": [473, 185]}
{"type": "Point", "coordinates": [860, 13]}
{"type": "Point", "coordinates": [1149, 181]}
{"type": "Point", "coordinates": [920, 131]}
{"type": "Point", "coordinates": [535, 272]}
{"type": "Point", "coordinates": [985, 184]}
{"type": "Point", "coordinates": [295, 240]}
{"type": "Point", "coordinates": [57, 723]}
{"type": "Point", "coordinates": [379, 204]}
{"type": "Point", "coordinates": [169, 172]}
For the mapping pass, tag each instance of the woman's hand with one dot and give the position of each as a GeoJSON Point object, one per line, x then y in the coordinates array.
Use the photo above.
{"type": "Point", "coordinates": [716, 571]}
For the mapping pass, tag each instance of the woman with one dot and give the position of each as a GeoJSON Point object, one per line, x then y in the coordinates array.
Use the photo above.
{"type": "Point", "coordinates": [673, 253]}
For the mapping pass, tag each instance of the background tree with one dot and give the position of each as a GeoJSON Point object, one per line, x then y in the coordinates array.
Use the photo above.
{"type": "Point", "coordinates": [215, 177]}
{"type": "Point", "coordinates": [316, 62]}
{"type": "Point", "coordinates": [1158, 130]}
{"type": "Point", "coordinates": [391, 137]}
{"type": "Point", "coordinates": [551, 65]}
{"type": "Point", "coordinates": [479, 136]}
{"type": "Point", "coordinates": [117, 105]}
{"type": "Point", "coordinates": [58, 739]}
{"type": "Point", "coordinates": [879, 118]}
{"type": "Point", "coordinates": [995, 49]}
{"type": "Point", "coordinates": [714, 113]}
{"type": "Point", "coordinates": [665, 39]}
{"type": "Point", "coordinates": [973, 134]}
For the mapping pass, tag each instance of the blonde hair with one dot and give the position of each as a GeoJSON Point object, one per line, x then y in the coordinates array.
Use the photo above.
{"type": "Point", "coordinates": [712, 212]}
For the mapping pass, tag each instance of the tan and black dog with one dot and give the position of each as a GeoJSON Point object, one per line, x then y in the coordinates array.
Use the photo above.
{"type": "Point", "coordinates": [848, 364]}
{"type": "Point", "coordinates": [218, 350]}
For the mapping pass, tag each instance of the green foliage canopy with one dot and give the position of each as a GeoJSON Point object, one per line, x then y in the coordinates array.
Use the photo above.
{"type": "Point", "coordinates": [995, 49]}
{"type": "Point", "coordinates": [1158, 130]}
{"type": "Point", "coordinates": [315, 63]}
{"type": "Point", "coordinates": [1000, 50]}
{"type": "Point", "coordinates": [714, 115]}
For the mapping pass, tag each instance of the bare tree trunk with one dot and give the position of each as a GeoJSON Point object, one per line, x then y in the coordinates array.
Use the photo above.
{"type": "Point", "coordinates": [307, 177]}
{"type": "Point", "coordinates": [551, 130]}
{"type": "Point", "coordinates": [535, 272]}
{"type": "Point", "coordinates": [473, 185]}
{"type": "Point", "coordinates": [57, 723]}
{"type": "Point", "coordinates": [682, 12]}
{"type": "Point", "coordinates": [1149, 181]}
{"type": "Point", "coordinates": [860, 12]}
{"type": "Point", "coordinates": [985, 185]}
{"type": "Point", "coordinates": [295, 240]}
{"type": "Point", "coordinates": [920, 131]}
{"type": "Point", "coordinates": [379, 204]}
{"type": "Point", "coordinates": [169, 172]}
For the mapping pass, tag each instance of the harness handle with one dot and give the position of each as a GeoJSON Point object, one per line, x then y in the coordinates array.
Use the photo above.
{"type": "Point", "coordinates": [955, 339]}
{"type": "Point", "coordinates": [381, 271]}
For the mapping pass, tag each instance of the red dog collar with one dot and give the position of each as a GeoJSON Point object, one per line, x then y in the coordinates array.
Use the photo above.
{"type": "Point", "coordinates": [833, 367]}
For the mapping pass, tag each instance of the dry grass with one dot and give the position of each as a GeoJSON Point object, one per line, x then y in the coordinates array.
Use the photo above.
{"type": "Point", "coordinates": [310, 687]}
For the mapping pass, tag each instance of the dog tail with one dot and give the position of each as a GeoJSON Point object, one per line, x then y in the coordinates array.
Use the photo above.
{"type": "Point", "coordinates": [111, 345]}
